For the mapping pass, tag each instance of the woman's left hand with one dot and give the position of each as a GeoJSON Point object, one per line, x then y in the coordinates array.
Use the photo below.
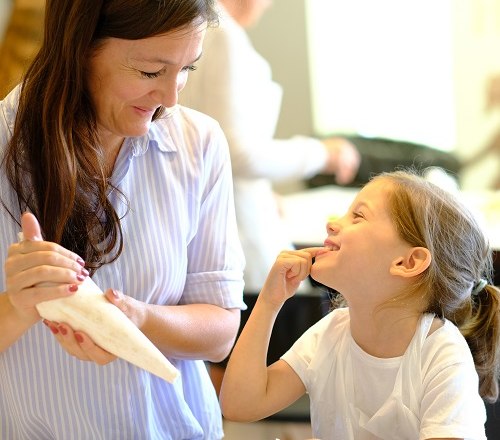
{"type": "Point", "coordinates": [80, 345]}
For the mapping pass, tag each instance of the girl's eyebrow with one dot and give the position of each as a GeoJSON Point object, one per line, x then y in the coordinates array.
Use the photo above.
{"type": "Point", "coordinates": [360, 205]}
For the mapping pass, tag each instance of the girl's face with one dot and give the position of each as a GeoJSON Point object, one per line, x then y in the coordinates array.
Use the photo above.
{"type": "Point", "coordinates": [362, 245]}
{"type": "Point", "coordinates": [130, 79]}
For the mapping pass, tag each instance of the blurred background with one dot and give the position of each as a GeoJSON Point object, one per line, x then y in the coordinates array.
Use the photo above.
{"type": "Point", "coordinates": [417, 71]}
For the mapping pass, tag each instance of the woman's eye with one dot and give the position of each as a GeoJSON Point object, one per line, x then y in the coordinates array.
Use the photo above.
{"type": "Point", "coordinates": [151, 75]}
{"type": "Point", "coordinates": [190, 68]}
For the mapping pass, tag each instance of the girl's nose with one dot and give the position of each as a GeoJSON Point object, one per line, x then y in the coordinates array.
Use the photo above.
{"type": "Point", "coordinates": [332, 227]}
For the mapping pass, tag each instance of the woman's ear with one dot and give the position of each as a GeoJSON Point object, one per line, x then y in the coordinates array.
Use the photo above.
{"type": "Point", "coordinates": [416, 261]}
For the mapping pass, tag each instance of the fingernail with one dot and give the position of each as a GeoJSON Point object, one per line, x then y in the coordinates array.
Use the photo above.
{"type": "Point", "coordinates": [115, 294]}
{"type": "Point", "coordinates": [73, 288]}
{"type": "Point", "coordinates": [51, 328]}
{"type": "Point", "coordinates": [80, 261]}
{"type": "Point", "coordinates": [85, 272]}
{"type": "Point", "coordinates": [63, 330]}
{"type": "Point", "coordinates": [79, 338]}
{"type": "Point", "coordinates": [80, 277]}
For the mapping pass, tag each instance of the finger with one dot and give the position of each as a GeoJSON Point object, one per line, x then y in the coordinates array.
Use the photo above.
{"type": "Point", "coordinates": [92, 351]}
{"type": "Point", "coordinates": [47, 266]}
{"type": "Point", "coordinates": [30, 227]}
{"type": "Point", "coordinates": [115, 297]}
{"type": "Point", "coordinates": [45, 248]}
{"type": "Point", "coordinates": [295, 266]}
{"type": "Point", "coordinates": [312, 251]}
{"type": "Point", "coordinates": [31, 232]}
{"type": "Point", "coordinates": [65, 336]}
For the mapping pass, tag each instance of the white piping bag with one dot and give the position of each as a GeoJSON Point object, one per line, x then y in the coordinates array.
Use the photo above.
{"type": "Point", "coordinates": [90, 312]}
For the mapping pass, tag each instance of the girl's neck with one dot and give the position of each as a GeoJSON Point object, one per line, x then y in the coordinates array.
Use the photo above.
{"type": "Point", "coordinates": [384, 332]}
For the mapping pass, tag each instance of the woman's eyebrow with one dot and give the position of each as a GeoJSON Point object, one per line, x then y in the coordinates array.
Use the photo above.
{"type": "Point", "coordinates": [159, 60]}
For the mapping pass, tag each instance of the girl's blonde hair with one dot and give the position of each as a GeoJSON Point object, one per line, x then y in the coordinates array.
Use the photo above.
{"type": "Point", "coordinates": [452, 287]}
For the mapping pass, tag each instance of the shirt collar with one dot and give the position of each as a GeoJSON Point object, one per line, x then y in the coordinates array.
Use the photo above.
{"type": "Point", "coordinates": [159, 135]}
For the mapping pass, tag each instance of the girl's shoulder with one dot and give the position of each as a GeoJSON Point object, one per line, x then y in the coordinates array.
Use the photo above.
{"type": "Point", "coordinates": [332, 325]}
{"type": "Point", "coordinates": [446, 343]}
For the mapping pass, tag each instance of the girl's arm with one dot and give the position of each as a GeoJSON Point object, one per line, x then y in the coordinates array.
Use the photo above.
{"type": "Point", "coordinates": [250, 390]}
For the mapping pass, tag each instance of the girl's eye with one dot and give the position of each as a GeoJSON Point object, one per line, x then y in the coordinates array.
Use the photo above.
{"type": "Point", "coordinates": [151, 75]}
{"type": "Point", "coordinates": [357, 215]}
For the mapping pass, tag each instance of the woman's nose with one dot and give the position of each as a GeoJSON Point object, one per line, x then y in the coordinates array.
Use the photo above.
{"type": "Point", "coordinates": [167, 92]}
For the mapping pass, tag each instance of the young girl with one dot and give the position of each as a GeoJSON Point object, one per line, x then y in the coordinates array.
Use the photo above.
{"type": "Point", "coordinates": [415, 351]}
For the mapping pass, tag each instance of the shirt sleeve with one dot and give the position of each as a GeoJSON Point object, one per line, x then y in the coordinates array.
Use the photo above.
{"type": "Point", "coordinates": [304, 351]}
{"type": "Point", "coordinates": [215, 256]}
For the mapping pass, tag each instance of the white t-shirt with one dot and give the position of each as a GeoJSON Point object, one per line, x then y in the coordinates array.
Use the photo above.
{"type": "Point", "coordinates": [430, 391]}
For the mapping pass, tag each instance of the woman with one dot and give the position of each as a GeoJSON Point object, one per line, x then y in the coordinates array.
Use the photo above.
{"type": "Point", "coordinates": [138, 191]}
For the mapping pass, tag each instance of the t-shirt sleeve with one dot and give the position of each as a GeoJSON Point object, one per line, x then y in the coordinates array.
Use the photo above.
{"type": "Point", "coordinates": [304, 351]}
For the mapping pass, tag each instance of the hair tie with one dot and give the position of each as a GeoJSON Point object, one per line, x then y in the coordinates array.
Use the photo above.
{"type": "Point", "coordinates": [479, 286]}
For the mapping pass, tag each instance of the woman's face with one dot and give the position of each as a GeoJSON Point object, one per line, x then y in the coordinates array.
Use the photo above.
{"type": "Point", "coordinates": [130, 79]}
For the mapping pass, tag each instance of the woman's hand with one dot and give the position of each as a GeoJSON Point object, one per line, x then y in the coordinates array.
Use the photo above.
{"type": "Point", "coordinates": [289, 270]}
{"type": "Point", "coordinates": [80, 345]}
{"type": "Point", "coordinates": [38, 270]}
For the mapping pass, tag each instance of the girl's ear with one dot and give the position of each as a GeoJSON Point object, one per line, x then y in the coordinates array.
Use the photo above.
{"type": "Point", "coordinates": [416, 261]}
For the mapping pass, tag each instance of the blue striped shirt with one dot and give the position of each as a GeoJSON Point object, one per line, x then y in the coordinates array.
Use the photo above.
{"type": "Point", "coordinates": [180, 247]}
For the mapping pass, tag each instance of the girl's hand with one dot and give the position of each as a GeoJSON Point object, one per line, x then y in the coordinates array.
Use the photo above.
{"type": "Point", "coordinates": [289, 270]}
{"type": "Point", "coordinates": [38, 270]}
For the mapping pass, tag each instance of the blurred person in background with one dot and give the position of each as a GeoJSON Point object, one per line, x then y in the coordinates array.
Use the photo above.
{"type": "Point", "coordinates": [233, 84]}
{"type": "Point", "coordinates": [492, 147]}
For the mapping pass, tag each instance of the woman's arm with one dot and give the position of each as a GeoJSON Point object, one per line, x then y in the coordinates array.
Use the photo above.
{"type": "Point", "coordinates": [192, 331]}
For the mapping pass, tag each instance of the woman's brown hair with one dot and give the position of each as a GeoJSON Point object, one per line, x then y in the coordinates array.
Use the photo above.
{"type": "Point", "coordinates": [458, 283]}
{"type": "Point", "coordinates": [53, 160]}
